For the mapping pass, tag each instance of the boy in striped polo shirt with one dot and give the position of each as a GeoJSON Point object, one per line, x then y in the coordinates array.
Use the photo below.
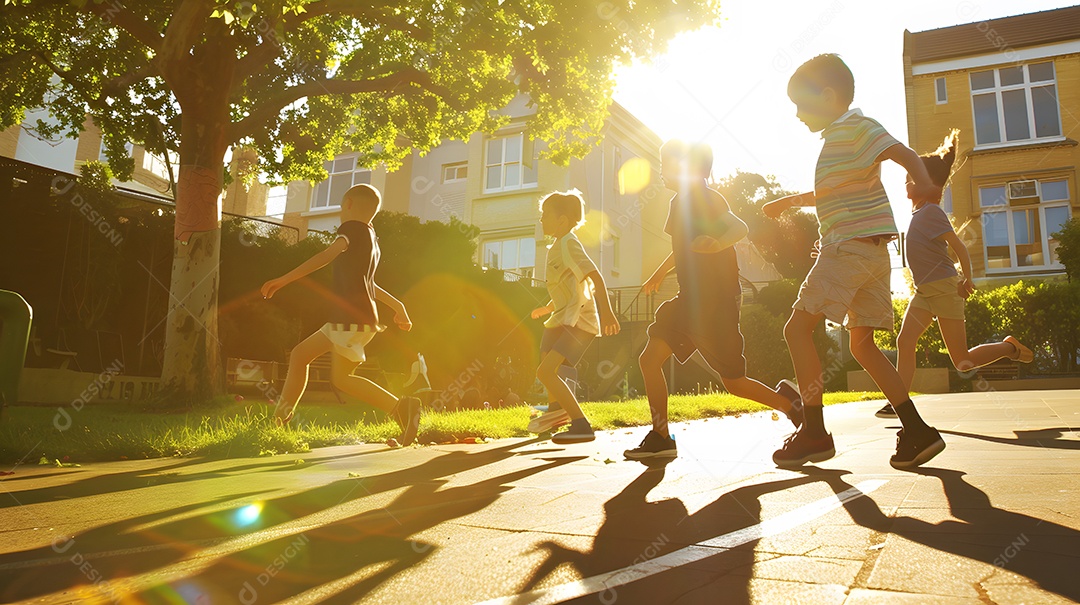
{"type": "Point", "coordinates": [849, 283]}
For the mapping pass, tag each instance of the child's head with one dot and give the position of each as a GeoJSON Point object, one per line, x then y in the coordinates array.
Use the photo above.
{"type": "Point", "coordinates": [681, 163]}
{"type": "Point", "coordinates": [822, 90]}
{"type": "Point", "coordinates": [939, 163]}
{"type": "Point", "coordinates": [562, 212]}
{"type": "Point", "coordinates": [361, 203]}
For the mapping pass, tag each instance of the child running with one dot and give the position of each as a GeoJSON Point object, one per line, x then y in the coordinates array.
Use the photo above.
{"type": "Point", "coordinates": [575, 286]}
{"type": "Point", "coordinates": [939, 291]}
{"type": "Point", "coordinates": [354, 319]}
{"type": "Point", "coordinates": [704, 315]}
{"type": "Point", "coordinates": [849, 282]}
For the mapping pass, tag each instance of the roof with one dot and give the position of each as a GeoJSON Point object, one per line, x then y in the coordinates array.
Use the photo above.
{"type": "Point", "coordinates": [994, 35]}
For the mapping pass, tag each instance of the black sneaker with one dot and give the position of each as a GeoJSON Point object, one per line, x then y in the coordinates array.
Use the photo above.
{"type": "Point", "coordinates": [916, 447]}
{"type": "Point", "coordinates": [799, 449]}
{"type": "Point", "coordinates": [886, 411]}
{"type": "Point", "coordinates": [579, 432]}
{"type": "Point", "coordinates": [653, 445]}
{"type": "Point", "coordinates": [407, 416]}
{"type": "Point", "coordinates": [789, 390]}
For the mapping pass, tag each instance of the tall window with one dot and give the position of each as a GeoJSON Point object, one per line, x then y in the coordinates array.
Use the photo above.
{"type": "Point", "coordinates": [516, 256]}
{"type": "Point", "coordinates": [1015, 104]}
{"type": "Point", "coordinates": [508, 165]}
{"type": "Point", "coordinates": [941, 94]}
{"type": "Point", "coordinates": [1019, 220]}
{"type": "Point", "coordinates": [342, 175]}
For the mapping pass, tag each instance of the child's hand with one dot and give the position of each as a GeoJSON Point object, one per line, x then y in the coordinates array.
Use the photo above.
{"type": "Point", "coordinates": [965, 288]}
{"type": "Point", "coordinates": [609, 324]}
{"type": "Point", "coordinates": [653, 284]}
{"type": "Point", "coordinates": [272, 286]}
{"type": "Point", "coordinates": [541, 311]}
{"type": "Point", "coordinates": [925, 193]}
{"type": "Point", "coordinates": [401, 318]}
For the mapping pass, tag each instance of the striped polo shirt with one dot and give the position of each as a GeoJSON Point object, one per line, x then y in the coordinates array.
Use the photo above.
{"type": "Point", "coordinates": [850, 199]}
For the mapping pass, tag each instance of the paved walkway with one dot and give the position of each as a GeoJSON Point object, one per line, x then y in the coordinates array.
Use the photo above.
{"type": "Point", "coordinates": [993, 519]}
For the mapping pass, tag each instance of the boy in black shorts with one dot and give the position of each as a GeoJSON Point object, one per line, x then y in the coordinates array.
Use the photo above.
{"type": "Point", "coordinates": [704, 315]}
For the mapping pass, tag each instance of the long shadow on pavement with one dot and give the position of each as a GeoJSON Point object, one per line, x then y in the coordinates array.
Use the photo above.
{"type": "Point", "coordinates": [1045, 438]}
{"type": "Point", "coordinates": [636, 530]}
{"type": "Point", "coordinates": [326, 550]}
{"type": "Point", "coordinates": [1043, 551]}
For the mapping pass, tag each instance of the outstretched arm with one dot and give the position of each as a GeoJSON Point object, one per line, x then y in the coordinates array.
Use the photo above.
{"type": "Point", "coordinates": [925, 190]}
{"type": "Point", "coordinates": [966, 286]}
{"type": "Point", "coordinates": [609, 324]}
{"type": "Point", "coordinates": [401, 317]}
{"type": "Point", "coordinates": [653, 283]}
{"type": "Point", "coordinates": [316, 262]}
{"type": "Point", "coordinates": [777, 207]}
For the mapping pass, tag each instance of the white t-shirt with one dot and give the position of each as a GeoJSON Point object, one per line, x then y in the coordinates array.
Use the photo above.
{"type": "Point", "coordinates": [567, 265]}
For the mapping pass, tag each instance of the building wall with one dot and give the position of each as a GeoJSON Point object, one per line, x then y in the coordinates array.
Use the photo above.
{"type": "Point", "coordinates": [930, 121]}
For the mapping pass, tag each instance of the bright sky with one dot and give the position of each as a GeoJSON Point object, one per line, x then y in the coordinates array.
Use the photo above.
{"type": "Point", "coordinates": [728, 85]}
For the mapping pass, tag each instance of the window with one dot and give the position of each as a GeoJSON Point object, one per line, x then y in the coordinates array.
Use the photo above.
{"type": "Point", "coordinates": [155, 164]}
{"type": "Point", "coordinates": [1019, 220]}
{"type": "Point", "coordinates": [455, 173]}
{"type": "Point", "coordinates": [940, 92]}
{"type": "Point", "coordinates": [342, 174]}
{"type": "Point", "coordinates": [128, 147]}
{"type": "Point", "coordinates": [946, 200]}
{"type": "Point", "coordinates": [509, 164]}
{"type": "Point", "coordinates": [516, 256]}
{"type": "Point", "coordinates": [1015, 104]}
{"type": "Point", "coordinates": [616, 253]}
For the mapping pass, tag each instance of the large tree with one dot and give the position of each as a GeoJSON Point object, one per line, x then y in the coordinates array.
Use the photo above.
{"type": "Point", "coordinates": [300, 80]}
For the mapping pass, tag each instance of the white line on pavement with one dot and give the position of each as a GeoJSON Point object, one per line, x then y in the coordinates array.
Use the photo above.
{"type": "Point", "coordinates": [690, 554]}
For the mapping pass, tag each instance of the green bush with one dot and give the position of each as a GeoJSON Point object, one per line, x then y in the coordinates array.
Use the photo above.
{"type": "Point", "coordinates": [1069, 248]}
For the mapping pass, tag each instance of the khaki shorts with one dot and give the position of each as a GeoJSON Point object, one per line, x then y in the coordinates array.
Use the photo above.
{"type": "Point", "coordinates": [849, 285]}
{"type": "Point", "coordinates": [940, 298]}
{"type": "Point", "coordinates": [349, 340]}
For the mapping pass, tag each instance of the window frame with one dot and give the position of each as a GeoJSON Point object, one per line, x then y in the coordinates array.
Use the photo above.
{"type": "Point", "coordinates": [330, 174]}
{"type": "Point", "coordinates": [1006, 211]}
{"type": "Point", "coordinates": [518, 268]}
{"type": "Point", "coordinates": [502, 164]}
{"type": "Point", "coordinates": [941, 86]}
{"type": "Point", "coordinates": [457, 168]}
{"type": "Point", "coordinates": [997, 90]}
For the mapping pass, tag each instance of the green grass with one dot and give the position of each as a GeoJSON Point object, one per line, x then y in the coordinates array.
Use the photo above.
{"type": "Point", "coordinates": [226, 429]}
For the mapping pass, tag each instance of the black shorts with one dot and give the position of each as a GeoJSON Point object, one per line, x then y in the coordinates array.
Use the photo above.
{"type": "Point", "coordinates": [712, 328]}
{"type": "Point", "coordinates": [567, 341]}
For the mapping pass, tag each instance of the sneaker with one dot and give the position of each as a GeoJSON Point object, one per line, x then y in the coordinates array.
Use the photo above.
{"type": "Point", "coordinates": [789, 390]}
{"type": "Point", "coordinates": [1023, 354]}
{"type": "Point", "coordinates": [915, 448]}
{"type": "Point", "coordinates": [886, 411]}
{"type": "Point", "coordinates": [653, 445]}
{"type": "Point", "coordinates": [407, 416]}
{"type": "Point", "coordinates": [547, 421]}
{"type": "Point", "coordinates": [799, 449]}
{"type": "Point", "coordinates": [579, 432]}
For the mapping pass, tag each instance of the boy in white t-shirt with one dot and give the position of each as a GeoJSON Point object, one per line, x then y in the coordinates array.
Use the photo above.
{"type": "Point", "coordinates": [574, 284]}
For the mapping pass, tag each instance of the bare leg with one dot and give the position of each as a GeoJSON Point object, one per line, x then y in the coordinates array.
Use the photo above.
{"type": "Point", "coordinates": [954, 333]}
{"type": "Point", "coordinates": [799, 334]}
{"type": "Point", "coordinates": [751, 389]}
{"type": "Point", "coordinates": [558, 392]}
{"type": "Point", "coordinates": [916, 321]}
{"type": "Point", "coordinates": [302, 354]}
{"type": "Point", "coordinates": [360, 388]}
{"type": "Point", "coordinates": [877, 365]}
{"type": "Point", "coordinates": [652, 361]}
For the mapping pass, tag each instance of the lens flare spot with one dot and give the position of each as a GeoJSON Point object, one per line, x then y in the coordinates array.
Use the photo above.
{"type": "Point", "coordinates": [249, 514]}
{"type": "Point", "coordinates": [634, 175]}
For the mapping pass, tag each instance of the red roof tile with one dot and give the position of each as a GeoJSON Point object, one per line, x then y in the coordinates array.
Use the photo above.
{"type": "Point", "coordinates": [994, 35]}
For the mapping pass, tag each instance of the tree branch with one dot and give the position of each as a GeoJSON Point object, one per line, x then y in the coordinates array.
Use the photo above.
{"type": "Point", "coordinates": [392, 84]}
{"type": "Point", "coordinates": [119, 84]}
{"type": "Point", "coordinates": [111, 11]}
{"type": "Point", "coordinates": [185, 27]}
{"type": "Point", "coordinates": [351, 8]}
{"type": "Point", "coordinates": [66, 76]}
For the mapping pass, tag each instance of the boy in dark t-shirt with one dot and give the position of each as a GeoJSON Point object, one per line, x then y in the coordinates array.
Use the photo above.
{"type": "Point", "coordinates": [704, 315]}
{"type": "Point", "coordinates": [353, 319]}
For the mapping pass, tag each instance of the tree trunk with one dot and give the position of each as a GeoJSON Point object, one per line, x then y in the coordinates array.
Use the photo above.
{"type": "Point", "coordinates": [193, 370]}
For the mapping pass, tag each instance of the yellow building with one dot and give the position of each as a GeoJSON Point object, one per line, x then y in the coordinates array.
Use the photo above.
{"type": "Point", "coordinates": [1012, 87]}
{"type": "Point", "coordinates": [494, 181]}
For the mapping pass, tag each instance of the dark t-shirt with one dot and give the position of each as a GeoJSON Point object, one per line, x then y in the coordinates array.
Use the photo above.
{"type": "Point", "coordinates": [701, 276]}
{"type": "Point", "coordinates": [354, 276]}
